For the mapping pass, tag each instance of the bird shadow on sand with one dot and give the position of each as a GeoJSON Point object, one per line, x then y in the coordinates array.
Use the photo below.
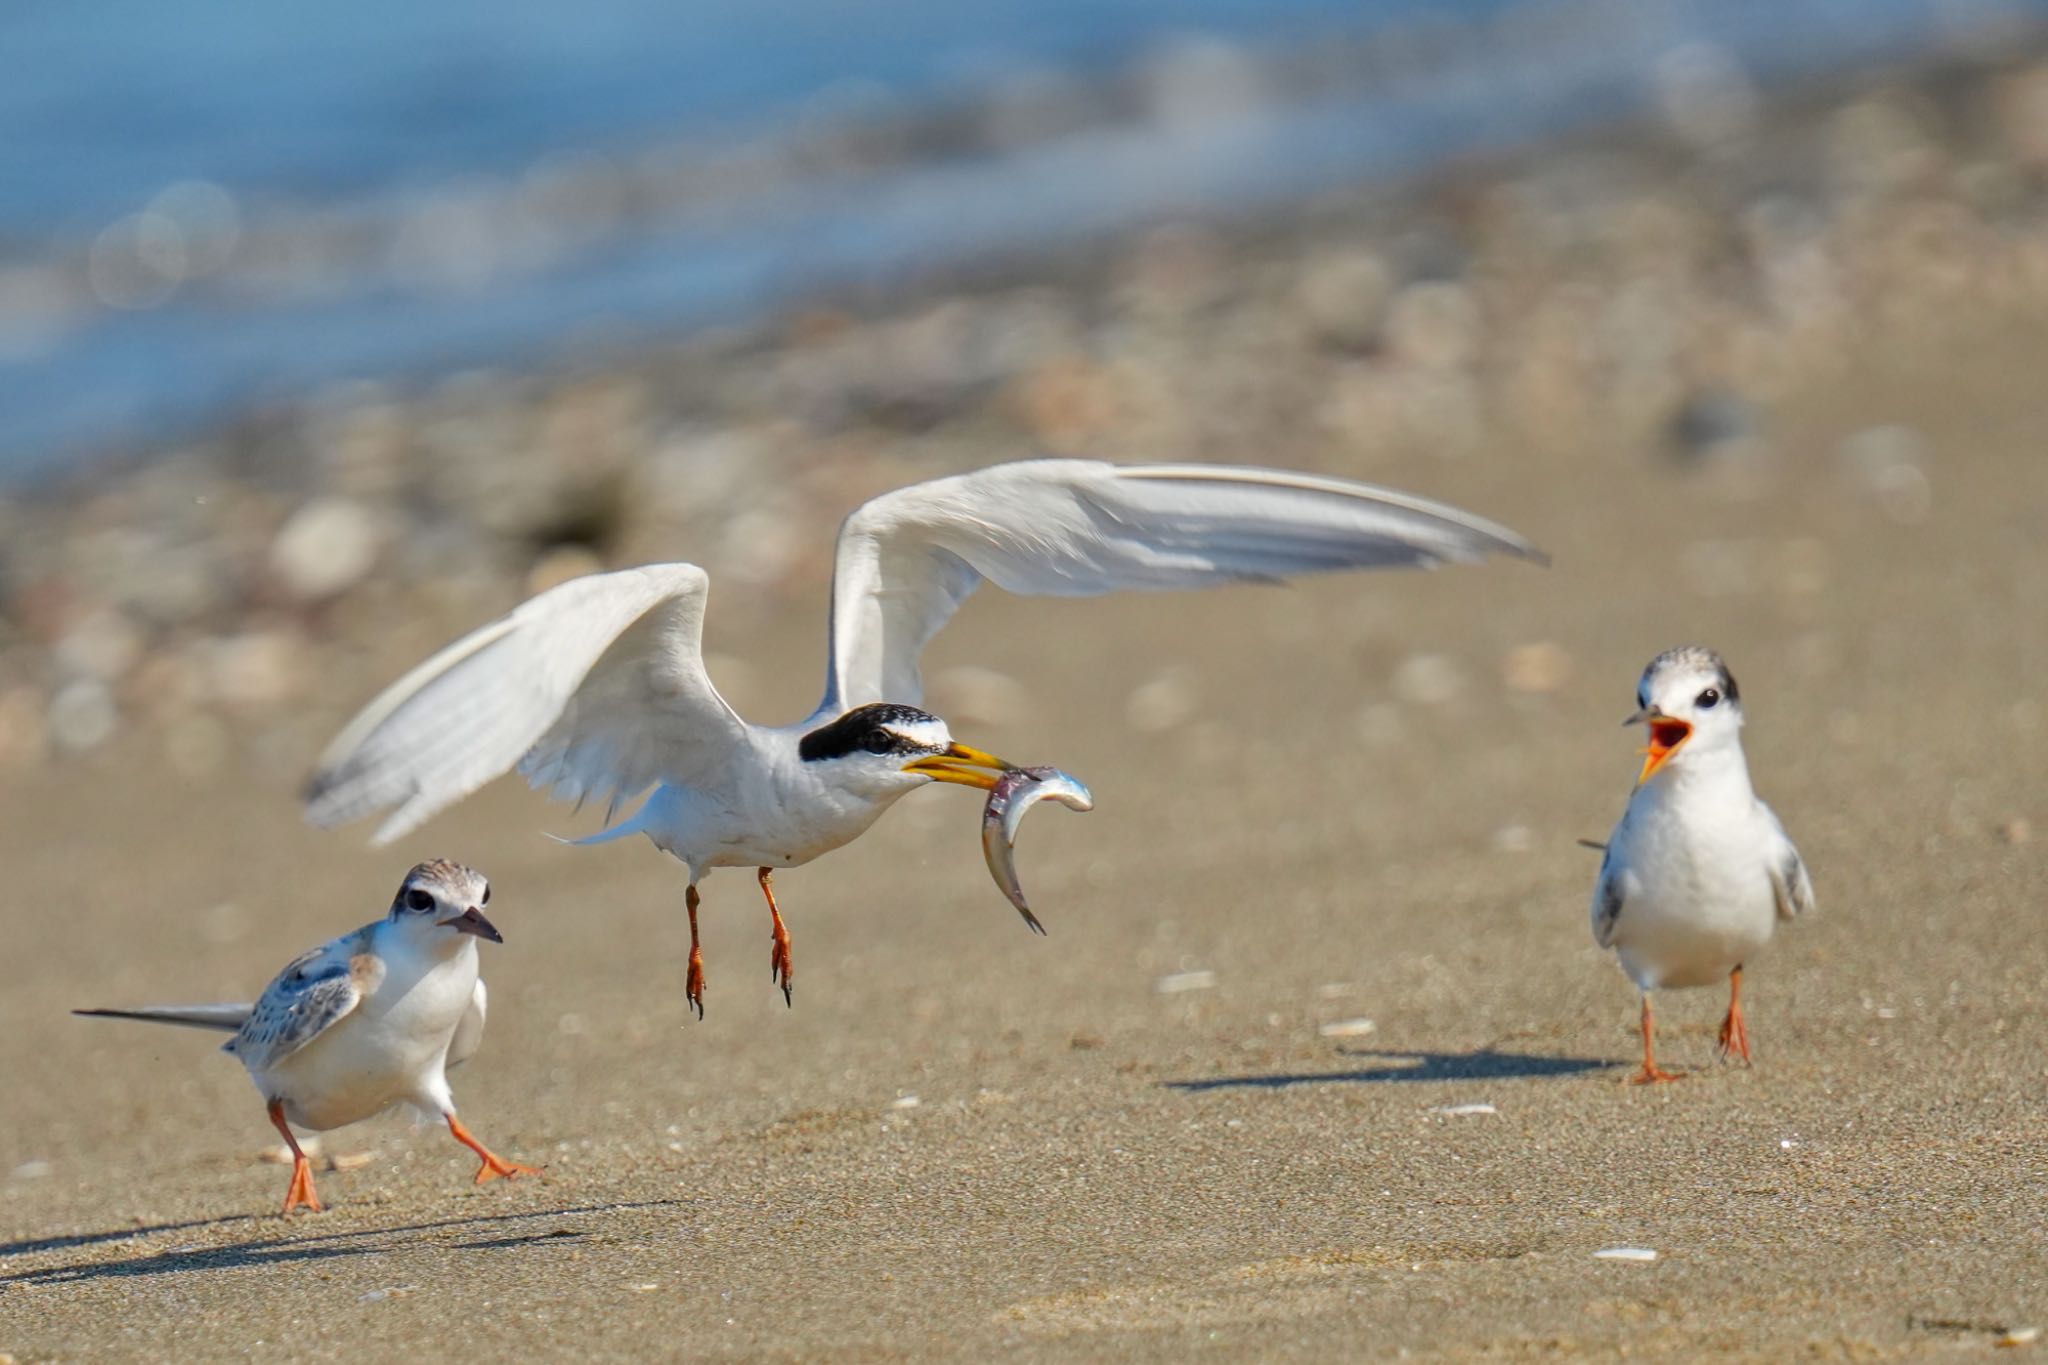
{"type": "Point", "coordinates": [1481, 1064]}
{"type": "Point", "coordinates": [303, 1242]}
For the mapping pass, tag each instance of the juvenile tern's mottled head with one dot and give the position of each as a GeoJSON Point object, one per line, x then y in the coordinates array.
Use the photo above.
{"type": "Point", "coordinates": [1689, 701]}
{"type": "Point", "coordinates": [444, 899]}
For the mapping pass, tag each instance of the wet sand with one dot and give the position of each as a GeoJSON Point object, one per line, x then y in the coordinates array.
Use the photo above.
{"type": "Point", "coordinates": [964, 1138]}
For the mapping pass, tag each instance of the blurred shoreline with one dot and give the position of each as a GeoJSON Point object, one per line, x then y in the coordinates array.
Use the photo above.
{"type": "Point", "coordinates": [1657, 287]}
{"type": "Point", "coordinates": [146, 310]}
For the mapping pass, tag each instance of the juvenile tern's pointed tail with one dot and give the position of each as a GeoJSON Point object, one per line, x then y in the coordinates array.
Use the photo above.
{"type": "Point", "coordinates": [225, 1018]}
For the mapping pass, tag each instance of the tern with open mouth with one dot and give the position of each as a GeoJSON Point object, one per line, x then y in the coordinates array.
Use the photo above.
{"type": "Point", "coordinates": [1699, 871]}
{"type": "Point", "coordinates": [597, 688]}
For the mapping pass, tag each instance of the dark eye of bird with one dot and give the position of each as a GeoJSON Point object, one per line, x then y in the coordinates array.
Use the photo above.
{"type": "Point", "coordinates": [487, 895]}
{"type": "Point", "coordinates": [878, 742]}
{"type": "Point", "coordinates": [418, 901]}
{"type": "Point", "coordinates": [1708, 699]}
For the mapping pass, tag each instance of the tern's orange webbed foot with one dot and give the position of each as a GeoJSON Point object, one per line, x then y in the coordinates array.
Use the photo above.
{"type": "Point", "coordinates": [1734, 1037]}
{"type": "Point", "coordinates": [781, 969]}
{"type": "Point", "coordinates": [494, 1165]}
{"type": "Point", "coordinates": [693, 983]}
{"type": "Point", "coordinates": [301, 1193]}
{"type": "Point", "coordinates": [1653, 1075]}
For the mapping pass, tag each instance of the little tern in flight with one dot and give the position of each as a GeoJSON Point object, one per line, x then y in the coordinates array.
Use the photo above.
{"type": "Point", "coordinates": [369, 1020]}
{"type": "Point", "coordinates": [1699, 871]}
{"type": "Point", "coordinates": [596, 688]}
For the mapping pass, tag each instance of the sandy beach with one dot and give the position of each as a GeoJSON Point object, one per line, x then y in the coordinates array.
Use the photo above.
{"type": "Point", "coordinates": [964, 1138]}
{"type": "Point", "coordinates": [1318, 1059]}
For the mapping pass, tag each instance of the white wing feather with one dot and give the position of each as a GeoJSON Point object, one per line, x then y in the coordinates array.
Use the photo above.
{"type": "Point", "coordinates": [469, 1034]}
{"type": "Point", "coordinates": [315, 992]}
{"type": "Point", "coordinates": [595, 688]}
{"type": "Point", "coordinates": [1077, 528]}
{"type": "Point", "coordinates": [1791, 884]}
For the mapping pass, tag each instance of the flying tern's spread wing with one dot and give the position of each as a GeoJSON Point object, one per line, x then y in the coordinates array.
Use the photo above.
{"type": "Point", "coordinates": [595, 688]}
{"type": "Point", "coordinates": [1077, 528]}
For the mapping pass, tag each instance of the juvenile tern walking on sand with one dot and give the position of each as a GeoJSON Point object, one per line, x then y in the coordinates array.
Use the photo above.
{"type": "Point", "coordinates": [372, 1019]}
{"type": "Point", "coordinates": [597, 688]}
{"type": "Point", "coordinates": [1699, 871]}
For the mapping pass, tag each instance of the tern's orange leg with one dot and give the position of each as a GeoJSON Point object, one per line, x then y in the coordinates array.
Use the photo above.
{"type": "Point", "coordinates": [1734, 1032]}
{"type": "Point", "coordinates": [301, 1191]}
{"type": "Point", "coordinates": [1651, 1072]}
{"type": "Point", "coordinates": [693, 985]}
{"type": "Point", "coordinates": [779, 966]}
{"type": "Point", "coordinates": [494, 1165]}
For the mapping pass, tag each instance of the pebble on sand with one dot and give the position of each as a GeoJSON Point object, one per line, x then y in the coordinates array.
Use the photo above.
{"type": "Point", "coordinates": [1167, 701]}
{"type": "Point", "coordinates": [1538, 667]}
{"type": "Point", "coordinates": [1625, 1254]}
{"type": "Point", "coordinates": [1174, 983]}
{"type": "Point", "coordinates": [325, 548]}
{"type": "Point", "coordinates": [1461, 1110]}
{"type": "Point", "coordinates": [1347, 1028]}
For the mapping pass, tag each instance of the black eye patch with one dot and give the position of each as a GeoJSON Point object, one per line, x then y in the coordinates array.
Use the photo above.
{"type": "Point", "coordinates": [864, 729]}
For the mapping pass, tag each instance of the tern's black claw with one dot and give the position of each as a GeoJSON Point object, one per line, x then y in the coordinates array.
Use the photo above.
{"type": "Point", "coordinates": [1032, 920]}
{"type": "Point", "coordinates": [788, 998]}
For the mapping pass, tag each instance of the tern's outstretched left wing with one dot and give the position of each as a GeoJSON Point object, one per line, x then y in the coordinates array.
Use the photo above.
{"type": "Point", "coordinates": [595, 688]}
{"type": "Point", "coordinates": [1078, 528]}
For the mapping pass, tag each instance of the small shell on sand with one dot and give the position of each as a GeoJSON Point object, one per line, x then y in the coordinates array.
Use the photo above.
{"type": "Point", "coordinates": [1625, 1254]}
{"type": "Point", "coordinates": [1347, 1028]}
{"type": "Point", "coordinates": [1176, 982]}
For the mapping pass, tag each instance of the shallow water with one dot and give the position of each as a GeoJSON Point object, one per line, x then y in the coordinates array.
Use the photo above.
{"type": "Point", "coordinates": [206, 207]}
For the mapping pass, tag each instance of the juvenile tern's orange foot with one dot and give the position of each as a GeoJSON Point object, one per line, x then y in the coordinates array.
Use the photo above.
{"type": "Point", "coordinates": [1651, 1074]}
{"type": "Point", "coordinates": [780, 969]}
{"type": "Point", "coordinates": [494, 1165]}
{"type": "Point", "coordinates": [1734, 1037]}
{"type": "Point", "coordinates": [301, 1192]}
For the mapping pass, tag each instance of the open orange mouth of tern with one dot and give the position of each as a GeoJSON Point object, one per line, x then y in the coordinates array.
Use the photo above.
{"type": "Point", "coordinates": [1666, 736]}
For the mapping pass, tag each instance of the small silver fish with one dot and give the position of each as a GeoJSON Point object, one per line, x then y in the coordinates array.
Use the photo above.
{"type": "Point", "coordinates": [1014, 793]}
